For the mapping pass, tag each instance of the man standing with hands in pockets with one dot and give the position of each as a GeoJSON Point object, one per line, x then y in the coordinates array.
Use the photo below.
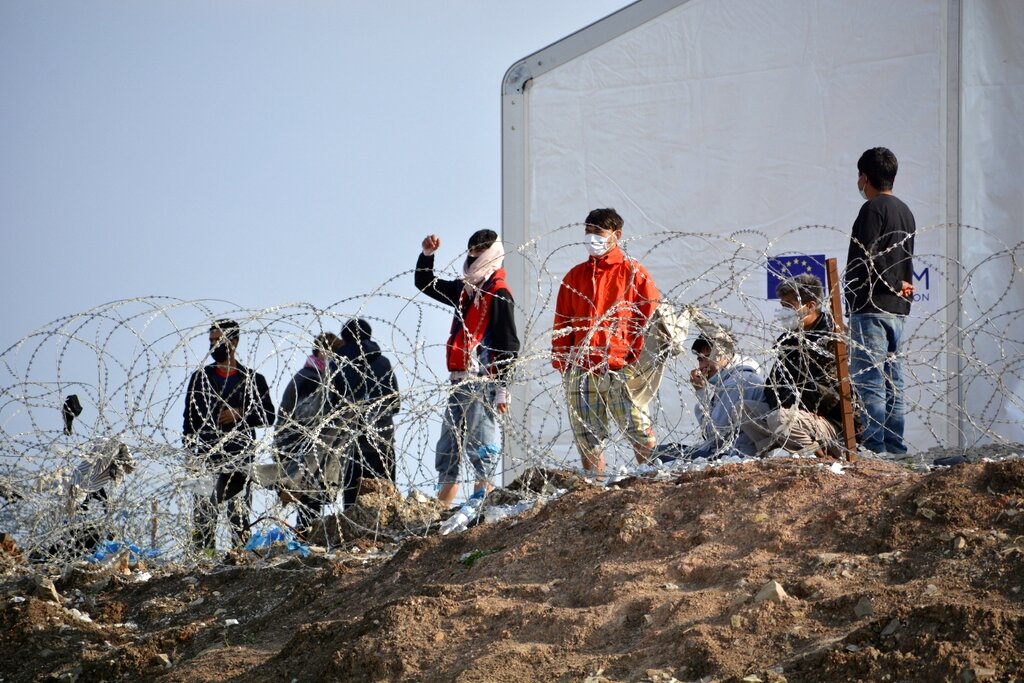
{"type": "Point", "coordinates": [603, 306]}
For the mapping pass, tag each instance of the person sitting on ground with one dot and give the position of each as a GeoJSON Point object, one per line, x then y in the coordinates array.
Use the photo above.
{"type": "Point", "coordinates": [86, 518]}
{"type": "Point", "coordinates": [725, 383]}
{"type": "Point", "coordinates": [802, 411]}
{"type": "Point", "coordinates": [365, 383]}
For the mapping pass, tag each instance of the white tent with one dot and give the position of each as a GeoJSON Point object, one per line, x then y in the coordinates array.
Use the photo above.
{"type": "Point", "coordinates": [744, 121]}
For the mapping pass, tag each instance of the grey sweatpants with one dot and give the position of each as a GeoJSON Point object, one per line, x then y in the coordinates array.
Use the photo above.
{"type": "Point", "coordinates": [791, 429]}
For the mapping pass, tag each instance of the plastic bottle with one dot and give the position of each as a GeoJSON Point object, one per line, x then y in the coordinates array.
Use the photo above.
{"type": "Point", "coordinates": [466, 514]}
{"type": "Point", "coordinates": [497, 512]}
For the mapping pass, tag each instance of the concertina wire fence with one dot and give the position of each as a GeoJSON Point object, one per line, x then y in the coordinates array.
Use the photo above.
{"type": "Point", "coordinates": [129, 361]}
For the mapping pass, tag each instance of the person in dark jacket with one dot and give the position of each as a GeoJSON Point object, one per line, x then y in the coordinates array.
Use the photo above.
{"type": "Point", "coordinates": [481, 351]}
{"type": "Point", "coordinates": [366, 388]}
{"type": "Point", "coordinates": [224, 404]}
{"type": "Point", "coordinates": [879, 276]}
{"type": "Point", "coordinates": [801, 411]}
{"type": "Point", "coordinates": [303, 430]}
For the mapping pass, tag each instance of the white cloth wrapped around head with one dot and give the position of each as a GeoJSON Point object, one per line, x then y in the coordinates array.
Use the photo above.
{"type": "Point", "coordinates": [475, 271]}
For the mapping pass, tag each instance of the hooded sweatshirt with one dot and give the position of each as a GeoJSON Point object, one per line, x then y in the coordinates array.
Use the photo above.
{"type": "Point", "coordinates": [805, 376]}
{"type": "Point", "coordinates": [718, 408]}
{"type": "Point", "coordinates": [364, 375]}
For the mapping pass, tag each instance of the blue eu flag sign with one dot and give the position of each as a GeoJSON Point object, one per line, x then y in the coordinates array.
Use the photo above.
{"type": "Point", "coordinates": [784, 267]}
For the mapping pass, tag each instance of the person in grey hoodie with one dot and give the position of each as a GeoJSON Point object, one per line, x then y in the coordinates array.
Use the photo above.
{"type": "Point", "coordinates": [725, 384]}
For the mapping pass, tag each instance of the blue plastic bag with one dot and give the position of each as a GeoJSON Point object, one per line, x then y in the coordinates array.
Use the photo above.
{"type": "Point", "coordinates": [108, 548]}
{"type": "Point", "coordinates": [274, 535]}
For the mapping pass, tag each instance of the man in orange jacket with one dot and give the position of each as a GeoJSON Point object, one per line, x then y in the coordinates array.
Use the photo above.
{"type": "Point", "coordinates": [602, 309]}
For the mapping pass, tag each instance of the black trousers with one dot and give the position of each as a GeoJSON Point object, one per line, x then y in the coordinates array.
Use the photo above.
{"type": "Point", "coordinates": [372, 458]}
{"type": "Point", "coordinates": [206, 513]}
{"type": "Point", "coordinates": [309, 509]}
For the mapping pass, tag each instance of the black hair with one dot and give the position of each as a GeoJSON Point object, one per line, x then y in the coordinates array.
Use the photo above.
{"type": "Point", "coordinates": [880, 166]}
{"type": "Point", "coordinates": [327, 341]}
{"type": "Point", "coordinates": [482, 239]}
{"type": "Point", "coordinates": [701, 346]}
{"type": "Point", "coordinates": [356, 329]}
{"type": "Point", "coordinates": [606, 219]}
{"type": "Point", "coordinates": [805, 287]}
{"type": "Point", "coordinates": [227, 327]}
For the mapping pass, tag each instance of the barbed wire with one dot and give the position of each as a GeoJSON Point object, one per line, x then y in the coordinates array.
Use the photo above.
{"type": "Point", "coordinates": [67, 488]}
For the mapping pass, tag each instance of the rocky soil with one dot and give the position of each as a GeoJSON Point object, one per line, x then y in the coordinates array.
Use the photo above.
{"type": "Point", "coordinates": [765, 571]}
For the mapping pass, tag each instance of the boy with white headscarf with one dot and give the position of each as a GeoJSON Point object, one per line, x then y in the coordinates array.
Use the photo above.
{"type": "Point", "coordinates": [481, 350]}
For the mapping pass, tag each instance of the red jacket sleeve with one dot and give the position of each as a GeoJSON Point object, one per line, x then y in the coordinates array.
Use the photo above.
{"type": "Point", "coordinates": [562, 337]}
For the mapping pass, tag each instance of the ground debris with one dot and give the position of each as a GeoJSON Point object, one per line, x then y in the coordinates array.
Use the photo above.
{"type": "Point", "coordinates": [771, 592]}
{"type": "Point", "coordinates": [562, 595]}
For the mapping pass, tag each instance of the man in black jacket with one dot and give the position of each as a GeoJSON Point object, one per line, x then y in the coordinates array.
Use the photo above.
{"type": "Point", "coordinates": [224, 404]}
{"type": "Point", "coordinates": [366, 388]}
{"type": "Point", "coordinates": [802, 412]}
{"type": "Point", "coordinates": [879, 276]}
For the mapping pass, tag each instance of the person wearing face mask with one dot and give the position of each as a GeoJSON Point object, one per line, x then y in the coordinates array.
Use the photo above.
{"type": "Point", "coordinates": [801, 410]}
{"type": "Point", "coordinates": [224, 404]}
{"type": "Point", "coordinates": [603, 306]}
{"type": "Point", "coordinates": [878, 287]}
{"type": "Point", "coordinates": [302, 431]}
{"type": "Point", "coordinates": [481, 351]}
{"type": "Point", "coordinates": [726, 384]}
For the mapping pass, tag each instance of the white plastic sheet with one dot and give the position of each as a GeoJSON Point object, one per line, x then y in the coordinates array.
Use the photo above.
{"type": "Point", "coordinates": [745, 121]}
{"type": "Point", "coordinates": [992, 159]}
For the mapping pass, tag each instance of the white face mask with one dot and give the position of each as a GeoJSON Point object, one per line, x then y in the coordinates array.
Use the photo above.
{"type": "Point", "coordinates": [596, 245]}
{"type": "Point", "coordinates": [862, 190]}
{"type": "Point", "coordinates": [789, 319]}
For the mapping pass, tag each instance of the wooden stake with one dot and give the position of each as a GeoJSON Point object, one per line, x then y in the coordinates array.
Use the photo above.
{"type": "Point", "coordinates": [153, 527]}
{"type": "Point", "coordinates": [842, 360]}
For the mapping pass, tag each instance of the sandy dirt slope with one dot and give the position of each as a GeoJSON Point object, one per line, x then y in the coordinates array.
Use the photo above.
{"type": "Point", "coordinates": [882, 573]}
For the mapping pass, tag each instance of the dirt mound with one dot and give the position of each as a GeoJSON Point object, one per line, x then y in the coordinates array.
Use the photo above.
{"type": "Point", "coordinates": [883, 573]}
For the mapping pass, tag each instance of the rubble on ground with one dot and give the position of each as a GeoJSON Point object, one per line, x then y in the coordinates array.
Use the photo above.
{"type": "Point", "coordinates": [657, 580]}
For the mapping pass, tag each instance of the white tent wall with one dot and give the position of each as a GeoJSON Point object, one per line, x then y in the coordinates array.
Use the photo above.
{"type": "Point", "coordinates": [744, 121]}
{"type": "Point", "coordinates": [992, 159]}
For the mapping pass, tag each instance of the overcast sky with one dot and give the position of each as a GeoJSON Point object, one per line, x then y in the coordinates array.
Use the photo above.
{"type": "Point", "coordinates": [257, 152]}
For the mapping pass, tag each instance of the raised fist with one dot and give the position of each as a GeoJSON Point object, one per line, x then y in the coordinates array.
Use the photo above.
{"type": "Point", "coordinates": [431, 243]}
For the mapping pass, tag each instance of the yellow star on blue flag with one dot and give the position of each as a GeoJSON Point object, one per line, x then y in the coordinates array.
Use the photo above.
{"type": "Point", "coordinates": [790, 265]}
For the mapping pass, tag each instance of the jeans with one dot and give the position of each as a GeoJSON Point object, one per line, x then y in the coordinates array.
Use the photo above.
{"type": "Point", "coordinates": [877, 373]}
{"type": "Point", "coordinates": [470, 425]}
